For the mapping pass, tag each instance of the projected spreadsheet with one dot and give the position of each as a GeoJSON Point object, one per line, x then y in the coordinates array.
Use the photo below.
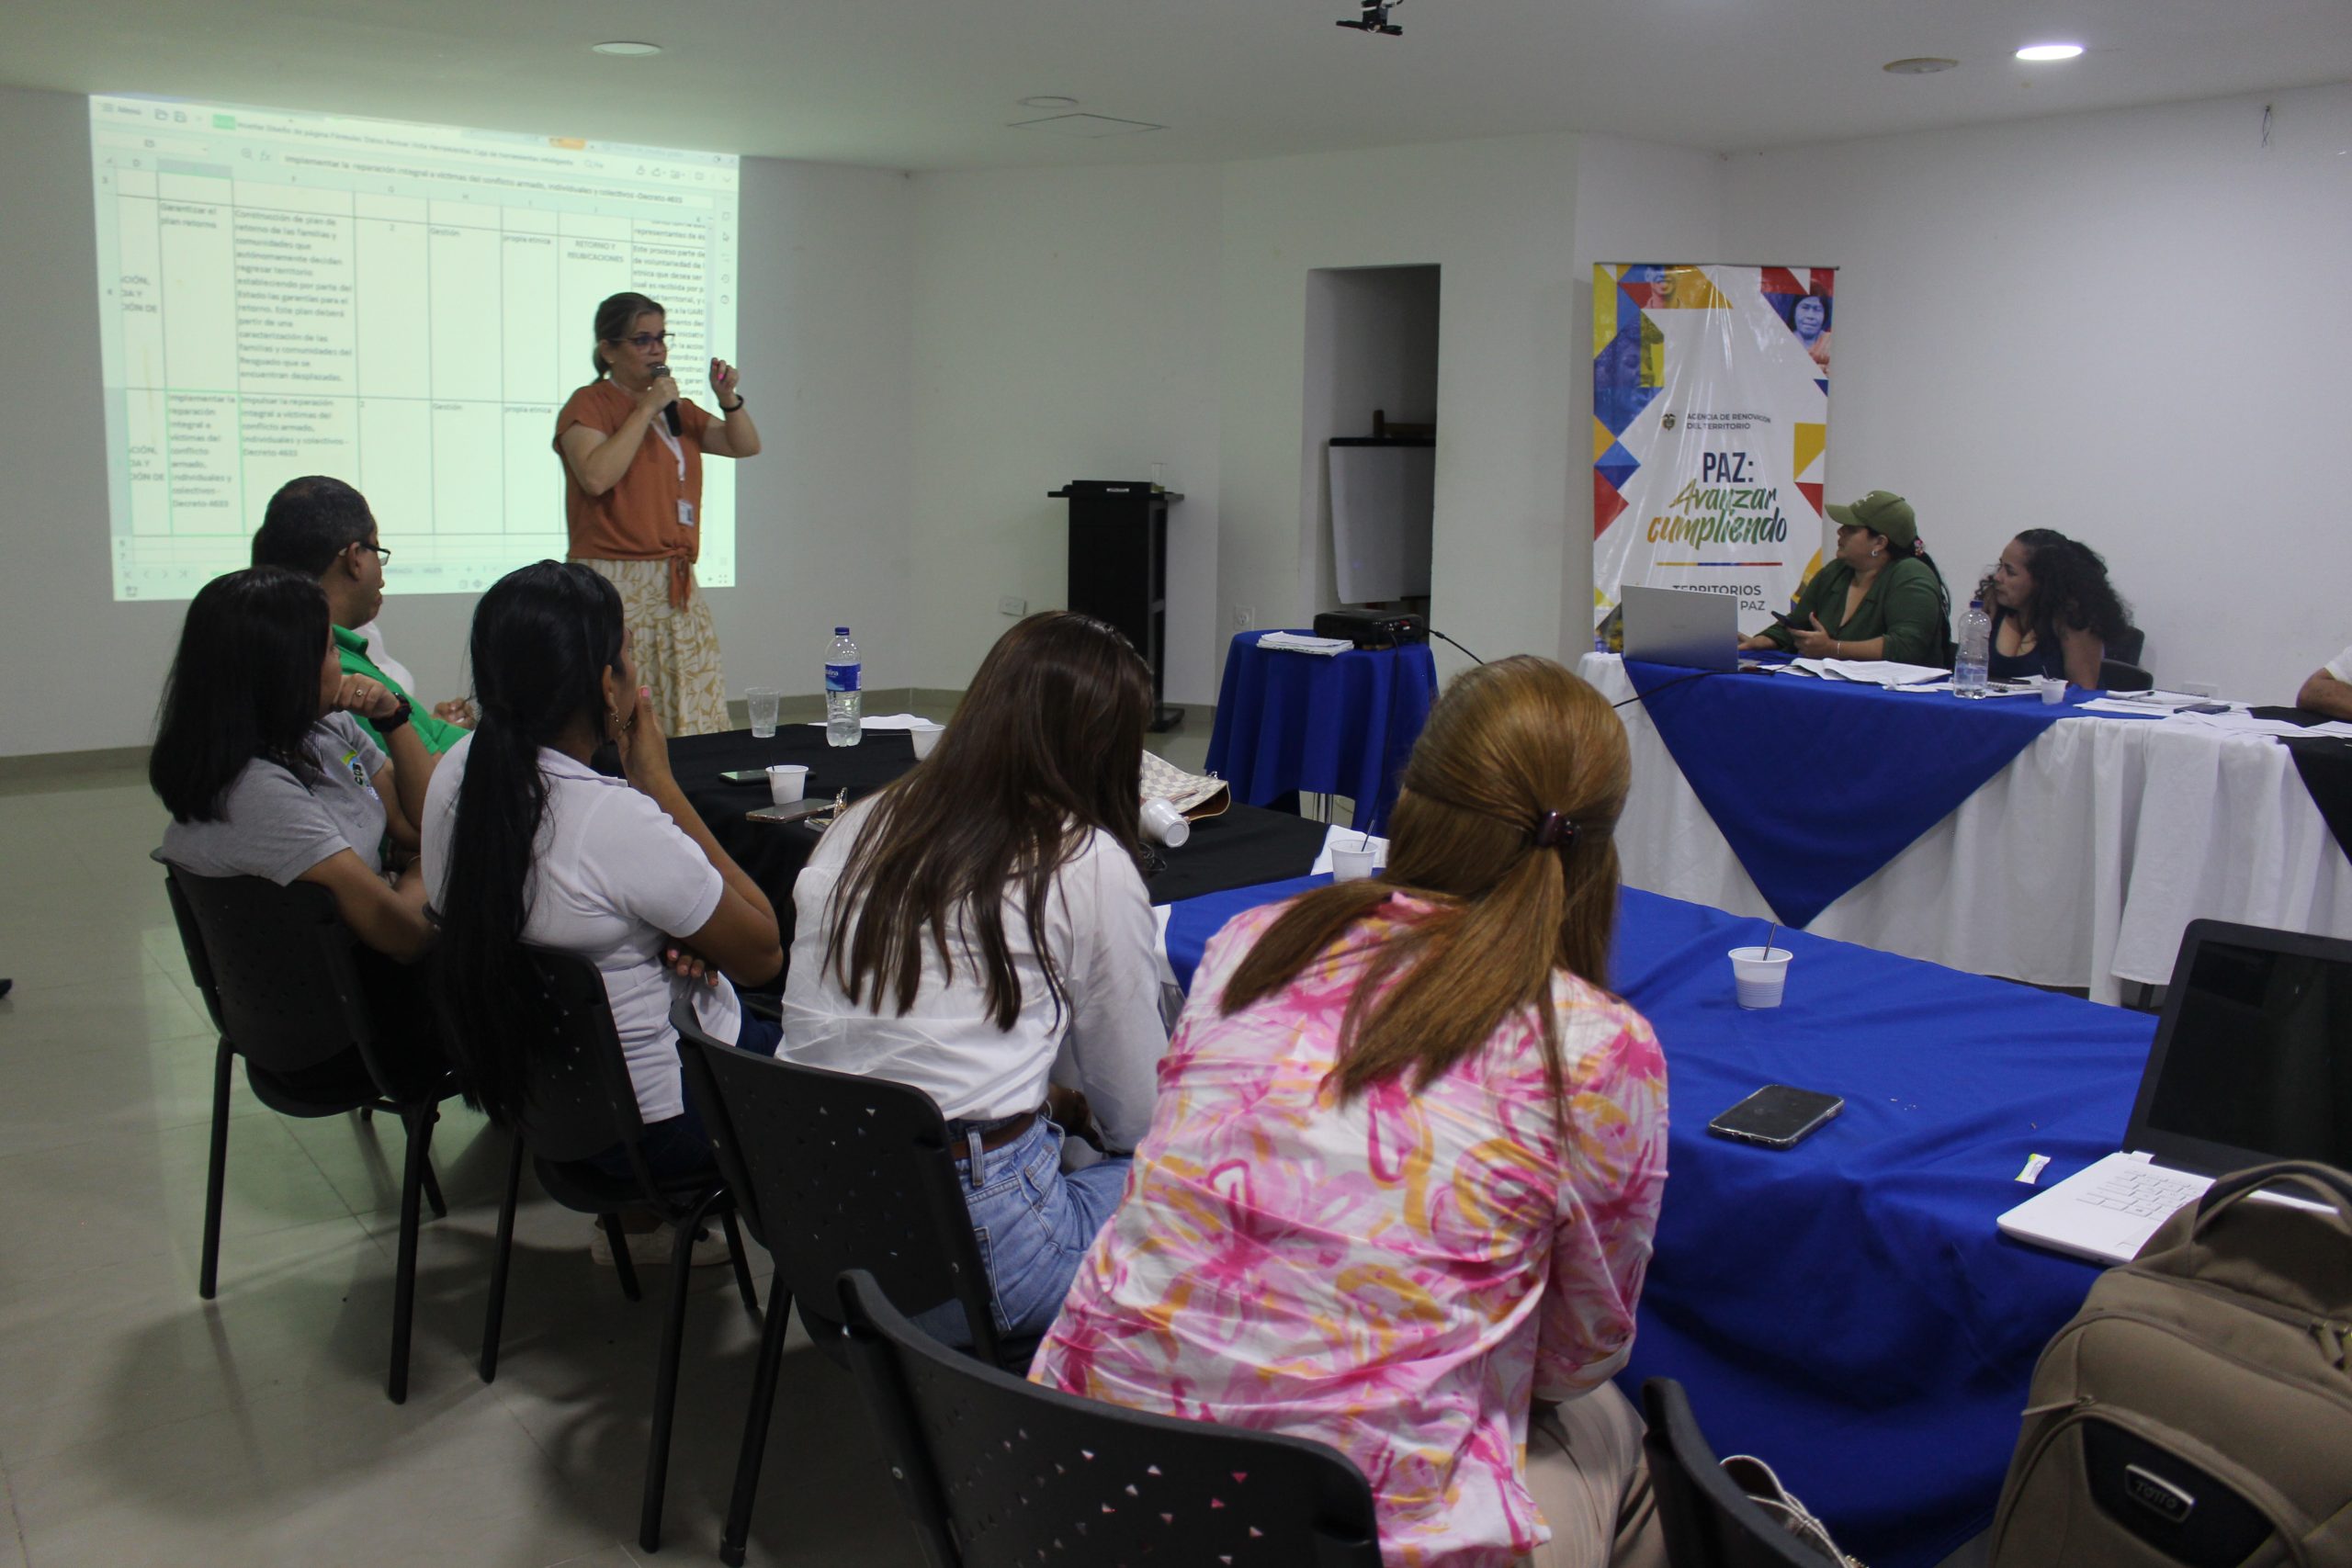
{"type": "Point", "coordinates": [402, 307]}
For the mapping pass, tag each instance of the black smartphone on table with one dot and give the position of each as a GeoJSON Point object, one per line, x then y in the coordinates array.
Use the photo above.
{"type": "Point", "coordinates": [1777, 1116]}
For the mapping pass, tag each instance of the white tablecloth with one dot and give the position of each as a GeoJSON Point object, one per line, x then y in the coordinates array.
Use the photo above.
{"type": "Point", "coordinates": [2080, 863]}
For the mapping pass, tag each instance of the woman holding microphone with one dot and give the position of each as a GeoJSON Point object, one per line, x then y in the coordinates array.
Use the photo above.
{"type": "Point", "coordinates": [632, 450]}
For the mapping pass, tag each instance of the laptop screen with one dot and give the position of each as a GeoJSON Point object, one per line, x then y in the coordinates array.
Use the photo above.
{"type": "Point", "coordinates": [2256, 1053]}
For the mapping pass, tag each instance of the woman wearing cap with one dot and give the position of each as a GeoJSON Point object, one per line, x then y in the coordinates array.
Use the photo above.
{"type": "Point", "coordinates": [2053, 610]}
{"type": "Point", "coordinates": [1406, 1161]}
{"type": "Point", "coordinates": [1879, 597]}
{"type": "Point", "coordinates": [632, 501]}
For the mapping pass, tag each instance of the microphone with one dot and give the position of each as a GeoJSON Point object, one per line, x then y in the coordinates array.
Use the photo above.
{"type": "Point", "coordinates": [670, 409]}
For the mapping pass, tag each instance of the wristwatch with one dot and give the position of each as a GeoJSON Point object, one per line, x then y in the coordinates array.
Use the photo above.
{"type": "Point", "coordinates": [393, 719]}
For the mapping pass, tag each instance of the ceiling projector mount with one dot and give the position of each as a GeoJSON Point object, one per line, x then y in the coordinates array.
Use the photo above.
{"type": "Point", "coordinates": [1376, 18]}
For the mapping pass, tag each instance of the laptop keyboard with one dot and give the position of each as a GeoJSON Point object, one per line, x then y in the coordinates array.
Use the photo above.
{"type": "Point", "coordinates": [2145, 1193]}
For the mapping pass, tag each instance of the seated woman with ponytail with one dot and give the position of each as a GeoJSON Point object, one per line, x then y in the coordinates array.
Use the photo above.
{"type": "Point", "coordinates": [266, 773]}
{"type": "Point", "coordinates": [1879, 597]}
{"type": "Point", "coordinates": [525, 843]}
{"type": "Point", "coordinates": [1402, 1181]}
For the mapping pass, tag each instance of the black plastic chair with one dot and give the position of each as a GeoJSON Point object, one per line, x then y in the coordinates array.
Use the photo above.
{"type": "Point", "coordinates": [997, 1471]}
{"type": "Point", "coordinates": [582, 1103]}
{"type": "Point", "coordinates": [833, 1172]}
{"type": "Point", "coordinates": [2114, 675]}
{"type": "Point", "coordinates": [1708, 1521]}
{"type": "Point", "coordinates": [2128, 645]}
{"type": "Point", "coordinates": [281, 977]}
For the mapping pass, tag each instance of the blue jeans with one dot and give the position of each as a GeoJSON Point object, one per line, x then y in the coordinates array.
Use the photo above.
{"type": "Point", "coordinates": [1034, 1223]}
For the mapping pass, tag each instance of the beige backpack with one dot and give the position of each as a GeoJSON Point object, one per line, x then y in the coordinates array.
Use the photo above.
{"type": "Point", "coordinates": [2199, 1410]}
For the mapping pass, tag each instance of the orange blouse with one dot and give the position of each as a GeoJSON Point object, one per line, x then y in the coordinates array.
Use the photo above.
{"type": "Point", "coordinates": [638, 518]}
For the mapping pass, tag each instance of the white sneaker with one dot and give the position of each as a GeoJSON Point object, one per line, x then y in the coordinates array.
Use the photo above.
{"type": "Point", "coordinates": [650, 1249]}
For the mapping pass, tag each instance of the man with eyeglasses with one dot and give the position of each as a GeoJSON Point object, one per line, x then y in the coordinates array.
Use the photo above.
{"type": "Point", "coordinates": [632, 450]}
{"type": "Point", "coordinates": [323, 528]}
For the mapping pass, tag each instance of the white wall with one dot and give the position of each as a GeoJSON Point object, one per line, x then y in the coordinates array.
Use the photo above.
{"type": "Point", "coordinates": [1064, 329]}
{"type": "Point", "coordinates": [1497, 216]}
{"type": "Point", "coordinates": [2135, 327]}
{"type": "Point", "coordinates": [825, 332]}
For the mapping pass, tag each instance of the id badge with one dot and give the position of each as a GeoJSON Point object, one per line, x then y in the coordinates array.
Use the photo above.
{"type": "Point", "coordinates": [685, 513]}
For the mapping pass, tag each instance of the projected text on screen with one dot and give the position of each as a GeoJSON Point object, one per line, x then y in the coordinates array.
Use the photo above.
{"type": "Point", "coordinates": [404, 307]}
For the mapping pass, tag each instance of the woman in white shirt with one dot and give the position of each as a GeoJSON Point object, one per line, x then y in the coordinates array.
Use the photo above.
{"type": "Point", "coordinates": [526, 843]}
{"type": "Point", "coordinates": [980, 927]}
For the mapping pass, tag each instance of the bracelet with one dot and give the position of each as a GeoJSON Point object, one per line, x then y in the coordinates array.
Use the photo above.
{"type": "Point", "coordinates": [393, 719]}
{"type": "Point", "coordinates": [724, 409]}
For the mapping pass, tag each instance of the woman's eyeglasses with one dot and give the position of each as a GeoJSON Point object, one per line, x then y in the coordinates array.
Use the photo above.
{"type": "Point", "coordinates": [641, 341]}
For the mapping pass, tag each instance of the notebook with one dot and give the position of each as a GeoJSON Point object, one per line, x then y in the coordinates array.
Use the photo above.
{"type": "Point", "coordinates": [2252, 1062]}
{"type": "Point", "coordinates": [1668, 626]}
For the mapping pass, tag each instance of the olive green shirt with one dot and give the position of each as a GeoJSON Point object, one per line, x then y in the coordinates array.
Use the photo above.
{"type": "Point", "coordinates": [438, 734]}
{"type": "Point", "coordinates": [1905, 605]}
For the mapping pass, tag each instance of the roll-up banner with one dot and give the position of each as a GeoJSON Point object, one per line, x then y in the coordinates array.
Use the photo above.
{"type": "Point", "coordinates": [1710, 431]}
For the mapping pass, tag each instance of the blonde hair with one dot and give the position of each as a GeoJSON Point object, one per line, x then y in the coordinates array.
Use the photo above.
{"type": "Point", "coordinates": [1505, 823]}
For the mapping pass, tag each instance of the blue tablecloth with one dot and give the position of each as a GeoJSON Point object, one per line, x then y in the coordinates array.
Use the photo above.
{"type": "Point", "coordinates": [1846, 1308]}
{"type": "Point", "coordinates": [1818, 784]}
{"type": "Point", "coordinates": [1343, 725]}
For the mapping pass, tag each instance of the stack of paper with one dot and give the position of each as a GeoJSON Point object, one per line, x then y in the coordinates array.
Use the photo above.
{"type": "Point", "coordinates": [1299, 642]}
{"type": "Point", "coordinates": [1870, 671]}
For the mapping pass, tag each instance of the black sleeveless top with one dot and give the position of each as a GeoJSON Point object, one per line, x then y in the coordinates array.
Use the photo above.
{"type": "Point", "coordinates": [2044, 658]}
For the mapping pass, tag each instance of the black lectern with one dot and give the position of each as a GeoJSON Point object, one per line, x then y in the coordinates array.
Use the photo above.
{"type": "Point", "coordinates": [1118, 568]}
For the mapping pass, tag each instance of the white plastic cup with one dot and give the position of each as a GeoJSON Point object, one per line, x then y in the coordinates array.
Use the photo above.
{"type": "Point", "coordinates": [1351, 865]}
{"type": "Point", "coordinates": [1760, 975]}
{"type": "Point", "coordinates": [787, 782]}
{"type": "Point", "coordinates": [2053, 690]}
{"type": "Point", "coordinates": [762, 701]}
{"type": "Point", "coordinates": [1164, 824]}
{"type": "Point", "coordinates": [925, 735]}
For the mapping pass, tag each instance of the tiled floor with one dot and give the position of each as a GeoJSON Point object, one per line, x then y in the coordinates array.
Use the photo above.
{"type": "Point", "coordinates": [139, 1424]}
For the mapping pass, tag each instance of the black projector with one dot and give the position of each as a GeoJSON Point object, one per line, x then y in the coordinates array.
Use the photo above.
{"type": "Point", "coordinates": [1373, 628]}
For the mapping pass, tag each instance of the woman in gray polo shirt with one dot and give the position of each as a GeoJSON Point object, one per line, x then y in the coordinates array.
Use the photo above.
{"type": "Point", "coordinates": [263, 770]}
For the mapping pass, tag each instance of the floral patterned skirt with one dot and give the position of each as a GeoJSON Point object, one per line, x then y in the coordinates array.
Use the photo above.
{"type": "Point", "coordinates": [675, 648]}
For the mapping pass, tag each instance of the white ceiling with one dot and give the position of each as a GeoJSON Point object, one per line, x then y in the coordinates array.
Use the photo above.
{"type": "Point", "coordinates": [931, 83]}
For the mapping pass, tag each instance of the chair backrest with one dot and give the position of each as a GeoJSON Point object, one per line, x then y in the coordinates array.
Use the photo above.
{"type": "Point", "coordinates": [276, 967]}
{"type": "Point", "coordinates": [841, 1172]}
{"type": "Point", "coordinates": [2114, 675]}
{"type": "Point", "coordinates": [1708, 1521]}
{"type": "Point", "coordinates": [2128, 645]}
{"type": "Point", "coordinates": [998, 1470]}
{"type": "Point", "coordinates": [579, 1100]}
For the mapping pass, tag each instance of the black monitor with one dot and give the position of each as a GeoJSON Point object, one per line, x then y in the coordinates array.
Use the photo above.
{"type": "Point", "coordinates": [2252, 1059]}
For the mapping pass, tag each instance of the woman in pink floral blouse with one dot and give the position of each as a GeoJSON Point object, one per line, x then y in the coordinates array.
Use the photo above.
{"type": "Point", "coordinates": [1400, 1184]}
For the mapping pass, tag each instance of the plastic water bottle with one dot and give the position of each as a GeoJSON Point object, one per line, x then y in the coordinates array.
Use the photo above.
{"type": "Point", "coordinates": [844, 702]}
{"type": "Point", "coordinates": [1968, 675]}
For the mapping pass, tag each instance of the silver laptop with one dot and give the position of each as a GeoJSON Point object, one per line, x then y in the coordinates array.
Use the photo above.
{"type": "Point", "coordinates": [1671, 625]}
{"type": "Point", "coordinates": [2252, 1062]}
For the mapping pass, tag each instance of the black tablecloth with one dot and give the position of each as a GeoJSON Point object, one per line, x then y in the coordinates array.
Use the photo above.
{"type": "Point", "coordinates": [2325, 762]}
{"type": "Point", "coordinates": [1245, 846]}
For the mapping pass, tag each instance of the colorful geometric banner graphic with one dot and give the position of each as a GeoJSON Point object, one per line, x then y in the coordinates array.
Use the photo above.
{"type": "Point", "coordinates": [1710, 431]}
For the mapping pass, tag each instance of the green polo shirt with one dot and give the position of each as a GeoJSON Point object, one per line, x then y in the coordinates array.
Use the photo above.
{"type": "Point", "coordinates": [439, 735]}
{"type": "Point", "coordinates": [1905, 605]}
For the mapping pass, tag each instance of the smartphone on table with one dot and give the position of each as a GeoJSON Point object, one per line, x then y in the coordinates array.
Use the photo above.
{"type": "Point", "coordinates": [1777, 1116]}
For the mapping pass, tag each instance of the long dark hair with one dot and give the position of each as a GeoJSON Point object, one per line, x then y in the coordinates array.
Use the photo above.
{"type": "Point", "coordinates": [615, 316]}
{"type": "Point", "coordinates": [2070, 589]}
{"type": "Point", "coordinates": [543, 637]}
{"type": "Point", "coordinates": [1045, 747]}
{"type": "Point", "coordinates": [243, 684]}
{"type": "Point", "coordinates": [1511, 743]}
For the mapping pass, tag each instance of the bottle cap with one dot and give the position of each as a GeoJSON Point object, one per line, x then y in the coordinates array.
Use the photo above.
{"type": "Point", "coordinates": [840, 631]}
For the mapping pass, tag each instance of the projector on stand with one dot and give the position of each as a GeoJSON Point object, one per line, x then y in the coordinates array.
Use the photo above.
{"type": "Point", "coordinates": [1373, 628]}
